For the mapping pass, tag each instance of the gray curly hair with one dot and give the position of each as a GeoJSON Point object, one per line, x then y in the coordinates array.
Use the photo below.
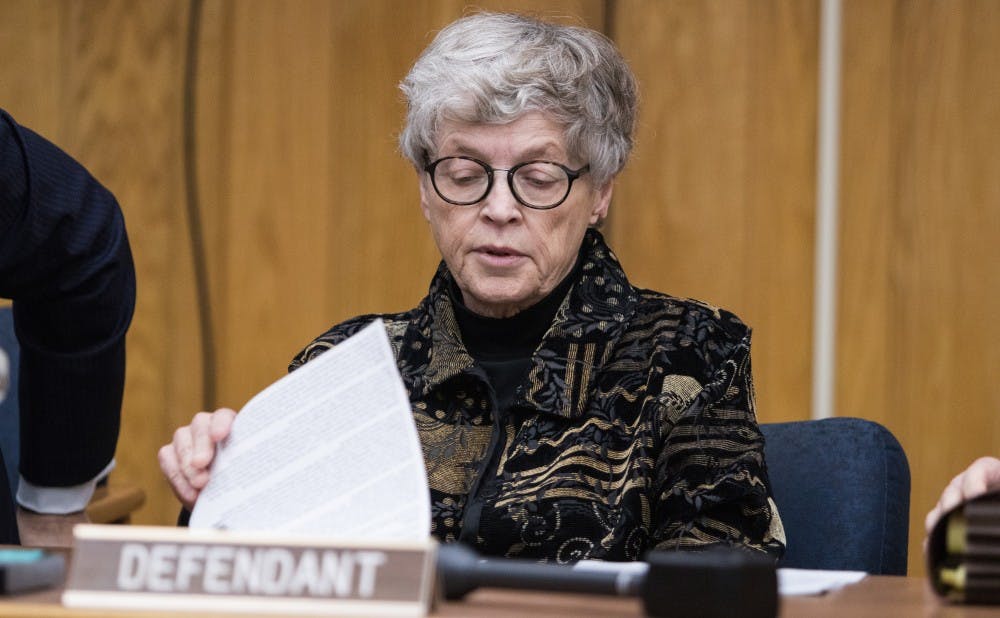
{"type": "Point", "coordinates": [494, 67]}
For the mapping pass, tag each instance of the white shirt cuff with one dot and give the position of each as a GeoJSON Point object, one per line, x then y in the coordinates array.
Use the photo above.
{"type": "Point", "coordinates": [4, 373]}
{"type": "Point", "coordinates": [59, 500]}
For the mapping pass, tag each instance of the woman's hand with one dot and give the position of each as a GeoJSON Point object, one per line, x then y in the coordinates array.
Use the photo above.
{"type": "Point", "coordinates": [187, 459]}
{"type": "Point", "coordinates": [981, 477]}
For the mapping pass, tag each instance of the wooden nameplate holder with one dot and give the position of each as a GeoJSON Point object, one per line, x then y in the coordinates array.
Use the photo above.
{"type": "Point", "coordinates": [178, 569]}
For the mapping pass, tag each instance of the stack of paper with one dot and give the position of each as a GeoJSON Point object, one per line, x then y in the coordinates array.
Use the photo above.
{"type": "Point", "coordinates": [330, 449]}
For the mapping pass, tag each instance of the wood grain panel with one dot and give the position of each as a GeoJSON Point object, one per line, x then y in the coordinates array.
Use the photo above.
{"type": "Point", "coordinates": [268, 223]}
{"type": "Point", "coordinates": [380, 253]}
{"type": "Point", "coordinates": [121, 112]}
{"type": "Point", "coordinates": [865, 289]}
{"type": "Point", "coordinates": [29, 37]}
{"type": "Point", "coordinates": [921, 209]}
{"type": "Point", "coordinates": [101, 80]}
{"type": "Point", "coordinates": [717, 202]}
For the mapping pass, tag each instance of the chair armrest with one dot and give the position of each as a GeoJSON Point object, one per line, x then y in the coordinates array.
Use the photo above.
{"type": "Point", "coordinates": [113, 503]}
{"type": "Point", "coordinates": [49, 531]}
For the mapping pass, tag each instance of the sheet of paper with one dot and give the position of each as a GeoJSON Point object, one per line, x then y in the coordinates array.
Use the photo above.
{"type": "Point", "coordinates": [801, 582]}
{"type": "Point", "coordinates": [330, 449]}
{"type": "Point", "coordinates": [791, 582]}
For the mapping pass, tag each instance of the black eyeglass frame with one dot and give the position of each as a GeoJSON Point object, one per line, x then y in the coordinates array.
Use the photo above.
{"type": "Point", "coordinates": [571, 175]}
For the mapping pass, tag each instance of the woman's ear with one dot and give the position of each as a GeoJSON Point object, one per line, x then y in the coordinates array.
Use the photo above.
{"type": "Point", "coordinates": [602, 201]}
{"type": "Point", "coordinates": [425, 194]}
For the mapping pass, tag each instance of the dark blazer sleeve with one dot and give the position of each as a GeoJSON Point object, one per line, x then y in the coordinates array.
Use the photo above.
{"type": "Point", "coordinates": [66, 263]}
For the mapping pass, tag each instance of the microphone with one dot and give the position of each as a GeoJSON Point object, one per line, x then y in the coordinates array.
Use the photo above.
{"type": "Point", "coordinates": [715, 583]}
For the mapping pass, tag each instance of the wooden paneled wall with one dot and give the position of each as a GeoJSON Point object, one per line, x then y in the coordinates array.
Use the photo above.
{"type": "Point", "coordinates": [919, 334]}
{"type": "Point", "coordinates": [718, 202]}
{"type": "Point", "coordinates": [103, 80]}
{"type": "Point", "coordinates": [310, 216]}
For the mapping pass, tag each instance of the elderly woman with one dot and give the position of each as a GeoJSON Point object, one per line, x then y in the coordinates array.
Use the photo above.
{"type": "Point", "coordinates": [563, 413]}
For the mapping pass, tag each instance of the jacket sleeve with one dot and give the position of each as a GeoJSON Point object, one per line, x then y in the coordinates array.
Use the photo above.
{"type": "Point", "coordinates": [66, 263]}
{"type": "Point", "coordinates": [711, 478]}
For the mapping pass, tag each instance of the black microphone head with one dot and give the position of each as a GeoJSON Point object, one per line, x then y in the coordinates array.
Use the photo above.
{"type": "Point", "coordinates": [456, 570]}
{"type": "Point", "coordinates": [715, 583]}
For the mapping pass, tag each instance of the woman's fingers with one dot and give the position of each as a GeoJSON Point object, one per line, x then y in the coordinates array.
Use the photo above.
{"type": "Point", "coordinates": [221, 423]}
{"type": "Point", "coordinates": [186, 461]}
{"type": "Point", "coordinates": [171, 467]}
{"type": "Point", "coordinates": [981, 477]}
{"type": "Point", "coordinates": [202, 447]}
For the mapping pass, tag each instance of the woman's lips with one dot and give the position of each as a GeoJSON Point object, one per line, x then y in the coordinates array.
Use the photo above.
{"type": "Point", "coordinates": [499, 256]}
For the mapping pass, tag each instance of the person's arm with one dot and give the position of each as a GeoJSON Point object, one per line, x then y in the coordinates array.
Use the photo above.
{"type": "Point", "coordinates": [983, 476]}
{"type": "Point", "coordinates": [66, 263]}
{"type": "Point", "coordinates": [710, 475]}
{"type": "Point", "coordinates": [59, 500]}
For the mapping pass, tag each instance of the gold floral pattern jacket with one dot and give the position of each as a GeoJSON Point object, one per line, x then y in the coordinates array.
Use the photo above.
{"type": "Point", "coordinates": [634, 429]}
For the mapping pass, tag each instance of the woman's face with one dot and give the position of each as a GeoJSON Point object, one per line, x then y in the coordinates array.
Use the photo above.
{"type": "Point", "coordinates": [505, 256]}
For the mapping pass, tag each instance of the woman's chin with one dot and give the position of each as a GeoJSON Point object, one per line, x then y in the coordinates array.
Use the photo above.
{"type": "Point", "coordinates": [497, 303]}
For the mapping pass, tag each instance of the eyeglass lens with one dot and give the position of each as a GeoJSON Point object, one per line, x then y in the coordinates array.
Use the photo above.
{"type": "Point", "coordinates": [536, 183]}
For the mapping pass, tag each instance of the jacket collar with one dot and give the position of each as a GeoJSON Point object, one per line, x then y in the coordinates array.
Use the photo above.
{"type": "Point", "coordinates": [587, 325]}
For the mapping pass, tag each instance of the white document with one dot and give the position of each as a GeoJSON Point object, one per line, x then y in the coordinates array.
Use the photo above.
{"type": "Point", "coordinates": [791, 582]}
{"type": "Point", "coordinates": [800, 582]}
{"type": "Point", "coordinates": [330, 449]}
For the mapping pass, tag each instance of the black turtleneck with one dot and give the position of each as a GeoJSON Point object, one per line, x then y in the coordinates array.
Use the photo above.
{"type": "Point", "coordinates": [503, 346]}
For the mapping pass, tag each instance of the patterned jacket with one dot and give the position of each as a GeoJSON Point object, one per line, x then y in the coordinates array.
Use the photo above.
{"type": "Point", "coordinates": [634, 429]}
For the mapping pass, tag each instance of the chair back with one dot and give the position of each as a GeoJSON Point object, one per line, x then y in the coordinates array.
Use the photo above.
{"type": "Point", "coordinates": [10, 420]}
{"type": "Point", "coordinates": [842, 486]}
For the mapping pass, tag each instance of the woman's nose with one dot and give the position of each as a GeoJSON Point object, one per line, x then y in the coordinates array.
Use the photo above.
{"type": "Point", "coordinates": [500, 204]}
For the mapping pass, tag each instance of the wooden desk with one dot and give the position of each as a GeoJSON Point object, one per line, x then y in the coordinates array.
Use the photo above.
{"type": "Point", "coordinates": [875, 597]}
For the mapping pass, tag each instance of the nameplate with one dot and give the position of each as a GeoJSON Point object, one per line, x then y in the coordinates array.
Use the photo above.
{"type": "Point", "coordinates": [147, 567]}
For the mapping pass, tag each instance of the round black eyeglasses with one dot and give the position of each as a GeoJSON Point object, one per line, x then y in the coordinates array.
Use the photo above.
{"type": "Point", "coordinates": [464, 181]}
